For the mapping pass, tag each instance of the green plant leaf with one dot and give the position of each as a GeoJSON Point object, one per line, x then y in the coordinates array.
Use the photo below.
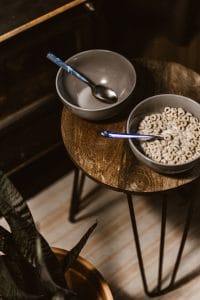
{"type": "Point", "coordinates": [24, 273]}
{"type": "Point", "coordinates": [72, 255]}
{"type": "Point", "coordinates": [8, 287]}
{"type": "Point", "coordinates": [50, 286]}
{"type": "Point", "coordinates": [10, 194]}
{"type": "Point", "coordinates": [24, 232]}
{"type": "Point", "coordinates": [24, 235]}
{"type": "Point", "coordinates": [30, 269]}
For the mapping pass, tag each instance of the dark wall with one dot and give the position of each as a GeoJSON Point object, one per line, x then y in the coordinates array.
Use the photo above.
{"type": "Point", "coordinates": [157, 29]}
{"type": "Point", "coordinates": [32, 152]}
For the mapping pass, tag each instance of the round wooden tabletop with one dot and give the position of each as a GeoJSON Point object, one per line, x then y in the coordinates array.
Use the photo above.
{"type": "Point", "coordinates": [111, 161]}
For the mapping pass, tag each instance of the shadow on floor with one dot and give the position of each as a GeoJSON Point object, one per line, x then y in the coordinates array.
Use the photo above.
{"type": "Point", "coordinates": [177, 207]}
{"type": "Point", "coordinates": [180, 215]}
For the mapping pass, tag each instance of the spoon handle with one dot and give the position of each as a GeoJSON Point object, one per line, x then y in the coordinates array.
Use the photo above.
{"type": "Point", "coordinates": [68, 68]}
{"type": "Point", "coordinates": [118, 135]}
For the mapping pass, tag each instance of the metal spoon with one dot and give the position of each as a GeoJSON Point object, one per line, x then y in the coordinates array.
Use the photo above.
{"type": "Point", "coordinates": [119, 135]}
{"type": "Point", "coordinates": [100, 92]}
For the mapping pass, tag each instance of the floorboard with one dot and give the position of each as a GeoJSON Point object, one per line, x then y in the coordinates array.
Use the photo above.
{"type": "Point", "coordinates": [111, 247]}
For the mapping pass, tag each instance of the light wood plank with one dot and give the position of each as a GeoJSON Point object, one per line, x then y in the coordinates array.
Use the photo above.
{"type": "Point", "coordinates": [111, 248]}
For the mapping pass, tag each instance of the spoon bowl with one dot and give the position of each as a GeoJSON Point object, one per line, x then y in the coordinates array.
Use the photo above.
{"type": "Point", "coordinates": [104, 94]}
{"type": "Point", "coordinates": [100, 92]}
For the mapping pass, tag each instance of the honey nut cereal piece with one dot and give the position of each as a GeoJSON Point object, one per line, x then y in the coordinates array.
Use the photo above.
{"type": "Point", "coordinates": [180, 111]}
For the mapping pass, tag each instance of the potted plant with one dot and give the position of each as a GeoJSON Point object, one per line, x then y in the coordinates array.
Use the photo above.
{"type": "Point", "coordinates": [31, 269]}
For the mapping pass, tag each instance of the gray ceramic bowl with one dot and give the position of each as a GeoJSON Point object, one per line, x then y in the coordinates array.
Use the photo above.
{"type": "Point", "coordinates": [156, 104]}
{"type": "Point", "coordinates": [102, 67]}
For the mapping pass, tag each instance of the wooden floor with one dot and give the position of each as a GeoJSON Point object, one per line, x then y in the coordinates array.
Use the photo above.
{"type": "Point", "coordinates": [111, 248]}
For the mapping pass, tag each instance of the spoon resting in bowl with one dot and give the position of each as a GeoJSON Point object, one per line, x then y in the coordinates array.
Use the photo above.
{"type": "Point", "coordinates": [119, 135]}
{"type": "Point", "coordinates": [100, 92]}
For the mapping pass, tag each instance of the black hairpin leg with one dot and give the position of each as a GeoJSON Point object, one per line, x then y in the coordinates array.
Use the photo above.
{"type": "Point", "coordinates": [79, 179]}
{"type": "Point", "coordinates": [157, 291]}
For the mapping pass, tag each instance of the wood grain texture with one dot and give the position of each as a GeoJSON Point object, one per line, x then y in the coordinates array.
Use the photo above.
{"type": "Point", "coordinates": [111, 162]}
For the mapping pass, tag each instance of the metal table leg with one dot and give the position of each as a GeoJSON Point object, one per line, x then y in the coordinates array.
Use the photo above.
{"type": "Point", "coordinates": [78, 183]}
{"type": "Point", "coordinates": [79, 198]}
{"type": "Point", "coordinates": [173, 284]}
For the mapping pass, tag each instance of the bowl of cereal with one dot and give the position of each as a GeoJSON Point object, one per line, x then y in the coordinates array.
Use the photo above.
{"type": "Point", "coordinates": [176, 119]}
